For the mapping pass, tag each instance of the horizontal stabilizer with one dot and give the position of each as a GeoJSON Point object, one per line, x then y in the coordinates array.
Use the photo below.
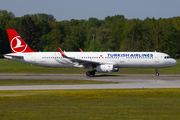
{"type": "Point", "coordinates": [13, 56]}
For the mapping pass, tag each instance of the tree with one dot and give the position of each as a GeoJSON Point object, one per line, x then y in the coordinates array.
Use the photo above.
{"type": "Point", "coordinates": [75, 39]}
{"type": "Point", "coordinates": [28, 32]}
{"type": "Point", "coordinates": [155, 34]}
{"type": "Point", "coordinates": [103, 41]}
{"type": "Point", "coordinates": [146, 43]}
{"type": "Point", "coordinates": [44, 16]}
{"type": "Point", "coordinates": [132, 35]}
{"type": "Point", "coordinates": [5, 17]}
{"type": "Point", "coordinates": [52, 40]}
{"type": "Point", "coordinates": [168, 38]}
{"type": "Point", "coordinates": [91, 36]}
{"type": "Point", "coordinates": [118, 35]}
{"type": "Point", "coordinates": [93, 22]}
{"type": "Point", "coordinates": [115, 33]}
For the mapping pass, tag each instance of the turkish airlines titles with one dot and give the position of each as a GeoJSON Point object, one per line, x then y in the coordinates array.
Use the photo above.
{"type": "Point", "coordinates": [130, 55]}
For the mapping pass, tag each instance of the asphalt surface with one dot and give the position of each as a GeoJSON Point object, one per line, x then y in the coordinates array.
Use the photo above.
{"type": "Point", "coordinates": [121, 81]}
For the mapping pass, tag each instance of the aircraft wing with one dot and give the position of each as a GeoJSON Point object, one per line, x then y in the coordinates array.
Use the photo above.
{"type": "Point", "coordinates": [80, 62]}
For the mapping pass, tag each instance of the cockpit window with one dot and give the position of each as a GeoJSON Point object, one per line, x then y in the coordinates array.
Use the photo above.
{"type": "Point", "coordinates": [167, 57]}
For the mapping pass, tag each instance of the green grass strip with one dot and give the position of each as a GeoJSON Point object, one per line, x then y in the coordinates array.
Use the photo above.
{"type": "Point", "coordinates": [149, 104]}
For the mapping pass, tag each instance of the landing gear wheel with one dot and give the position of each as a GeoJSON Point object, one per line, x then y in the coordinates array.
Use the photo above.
{"type": "Point", "coordinates": [157, 74]}
{"type": "Point", "coordinates": [88, 73]}
{"type": "Point", "coordinates": [92, 73]}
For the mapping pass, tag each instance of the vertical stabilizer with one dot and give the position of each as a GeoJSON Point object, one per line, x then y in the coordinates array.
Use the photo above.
{"type": "Point", "coordinates": [17, 43]}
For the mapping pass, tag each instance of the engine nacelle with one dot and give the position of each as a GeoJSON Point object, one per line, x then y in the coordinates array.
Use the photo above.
{"type": "Point", "coordinates": [106, 68]}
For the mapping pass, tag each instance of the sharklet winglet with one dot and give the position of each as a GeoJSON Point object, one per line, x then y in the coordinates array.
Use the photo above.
{"type": "Point", "coordinates": [62, 54]}
{"type": "Point", "coordinates": [80, 50]}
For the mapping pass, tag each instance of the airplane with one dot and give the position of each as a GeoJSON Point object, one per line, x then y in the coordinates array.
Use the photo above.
{"type": "Point", "coordinates": [103, 62]}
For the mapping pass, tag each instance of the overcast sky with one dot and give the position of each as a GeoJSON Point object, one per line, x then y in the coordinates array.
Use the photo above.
{"type": "Point", "coordinates": [84, 9]}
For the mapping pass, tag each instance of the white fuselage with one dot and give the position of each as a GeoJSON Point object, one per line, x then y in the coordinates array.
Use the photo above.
{"type": "Point", "coordinates": [117, 59]}
{"type": "Point", "coordinates": [93, 61]}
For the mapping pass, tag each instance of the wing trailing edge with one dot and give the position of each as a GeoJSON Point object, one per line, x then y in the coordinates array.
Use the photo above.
{"type": "Point", "coordinates": [80, 62]}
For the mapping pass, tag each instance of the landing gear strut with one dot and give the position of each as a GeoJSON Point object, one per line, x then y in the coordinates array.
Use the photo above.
{"type": "Point", "coordinates": [157, 74]}
{"type": "Point", "coordinates": [89, 73]}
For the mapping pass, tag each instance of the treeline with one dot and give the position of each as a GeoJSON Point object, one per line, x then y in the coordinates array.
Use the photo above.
{"type": "Point", "coordinates": [43, 33]}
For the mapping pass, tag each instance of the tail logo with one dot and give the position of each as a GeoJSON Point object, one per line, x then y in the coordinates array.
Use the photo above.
{"type": "Point", "coordinates": [18, 45]}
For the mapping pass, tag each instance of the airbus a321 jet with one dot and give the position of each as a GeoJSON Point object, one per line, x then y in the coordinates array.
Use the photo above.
{"type": "Point", "coordinates": [104, 62]}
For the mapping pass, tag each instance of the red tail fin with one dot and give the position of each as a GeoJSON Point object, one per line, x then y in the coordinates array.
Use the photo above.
{"type": "Point", "coordinates": [17, 43]}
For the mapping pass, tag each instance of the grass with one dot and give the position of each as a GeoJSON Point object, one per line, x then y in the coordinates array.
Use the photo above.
{"type": "Point", "coordinates": [50, 82]}
{"type": "Point", "coordinates": [90, 104]}
{"type": "Point", "coordinates": [9, 66]}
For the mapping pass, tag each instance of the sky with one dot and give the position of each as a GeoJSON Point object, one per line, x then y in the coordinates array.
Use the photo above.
{"type": "Point", "coordinates": [84, 9]}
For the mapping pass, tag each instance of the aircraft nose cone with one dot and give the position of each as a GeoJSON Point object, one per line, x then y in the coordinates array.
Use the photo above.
{"type": "Point", "coordinates": [174, 62]}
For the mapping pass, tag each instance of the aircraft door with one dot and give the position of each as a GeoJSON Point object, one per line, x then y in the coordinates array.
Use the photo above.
{"type": "Point", "coordinates": [156, 58]}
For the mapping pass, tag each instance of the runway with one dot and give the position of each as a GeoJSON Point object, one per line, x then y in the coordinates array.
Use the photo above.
{"type": "Point", "coordinates": [121, 81]}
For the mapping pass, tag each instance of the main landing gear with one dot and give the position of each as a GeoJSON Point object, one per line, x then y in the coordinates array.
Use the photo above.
{"type": "Point", "coordinates": [157, 74]}
{"type": "Point", "coordinates": [89, 73]}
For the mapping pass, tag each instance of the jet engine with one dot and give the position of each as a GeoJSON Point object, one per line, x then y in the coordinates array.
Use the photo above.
{"type": "Point", "coordinates": [106, 68]}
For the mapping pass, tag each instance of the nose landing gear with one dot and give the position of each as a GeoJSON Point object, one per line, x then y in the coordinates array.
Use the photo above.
{"type": "Point", "coordinates": [157, 74]}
